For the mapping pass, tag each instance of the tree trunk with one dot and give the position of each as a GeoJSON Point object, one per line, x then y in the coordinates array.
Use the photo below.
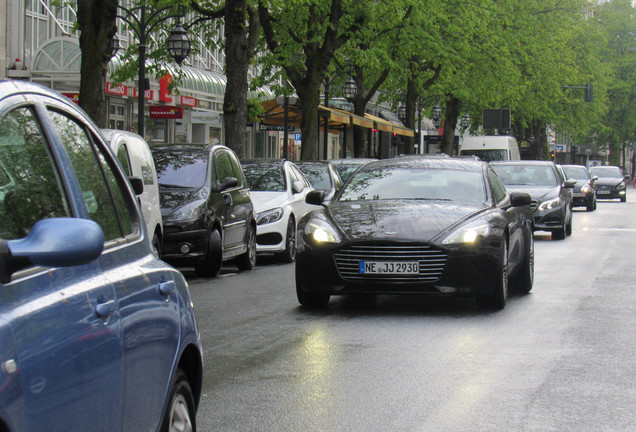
{"type": "Point", "coordinates": [452, 112]}
{"type": "Point", "coordinates": [237, 57]}
{"type": "Point", "coordinates": [96, 19]}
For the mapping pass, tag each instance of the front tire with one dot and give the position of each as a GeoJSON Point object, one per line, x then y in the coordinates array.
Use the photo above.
{"type": "Point", "coordinates": [247, 261]}
{"type": "Point", "coordinates": [497, 299]}
{"type": "Point", "coordinates": [180, 414]}
{"type": "Point", "coordinates": [289, 254]}
{"type": "Point", "coordinates": [308, 299]}
{"type": "Point", "coordinates": [525, 279]}
{"type": "Point", "coordinates": [211, 266]}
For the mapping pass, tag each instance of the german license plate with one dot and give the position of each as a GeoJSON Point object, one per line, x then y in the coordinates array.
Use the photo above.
{"type": "Point", "coordinates": [389, 267]}
{"type": "Point", "coordinates": [603, 192]}
{"type": "Point", "coordinates": [578, 195]}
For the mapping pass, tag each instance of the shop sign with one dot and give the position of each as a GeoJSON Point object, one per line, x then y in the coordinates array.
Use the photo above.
{"type": "Point", "coordinates": [189, 101]}
{"type": "Point", "coordinates": [72, 96]}
{"type": "Point", "coordinates": [214, 118]}
{"type": "Point", "coordinates": [165, 112]}
{"type": "Point", "coordinates": [164, 91]}
{"type": "Point", "coordinates": [148, 94]}
{"type": "Point", "coordinates": [119, 90]}
{"type": "Point", "coordinates": [266, 127]}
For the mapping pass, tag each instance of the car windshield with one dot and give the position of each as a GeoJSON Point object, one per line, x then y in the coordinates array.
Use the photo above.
{"type": "Point", "coordinates": [181, 169]}
{"type": "Point", "coordinates": [527, 175]}
{"type": "Point", "coordinates": [487, 155]}
{"type": "Point", "coordinates": [264, 178]}
{"type": "Point", "coordinates": [318, 175]}
{"type": "Point", "coordinates": [415, 183]}
{"type": "Point", "coordinates": [575, 173]}
{"type": "Point", "coordinates": [606, 172]}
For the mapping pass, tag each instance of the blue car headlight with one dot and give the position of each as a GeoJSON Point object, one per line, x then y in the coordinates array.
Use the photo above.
{"type": "Point", "coordinates": [468, 234]}
{"type": "Point", "coordinates": [269, 216]}
{"type": "Point", "coordinates": [549, 204]}
{"type": "Point", "coordinates": [190, 211]}
{"type": "Point", "coordinates": [321, 232]}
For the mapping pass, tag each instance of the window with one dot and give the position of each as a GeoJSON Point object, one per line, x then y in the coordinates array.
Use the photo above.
{"type": "Point", "coordinates": [499, 192]}
{"type": "Point", "coordinates": [224, 166]}
{"type": "Point", "coordinates": [31, 189]}
{"type": "Point", "coordinates": [124, 159]}
{"type": "Point", "coordinates": [102, 194]}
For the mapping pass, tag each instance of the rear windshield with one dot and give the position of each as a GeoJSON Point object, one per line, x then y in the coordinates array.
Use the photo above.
{"type": "Point", "coordinates": [264, 178]}
{"type": "Point", "coordinates": [575, 173]}
{"type": "Point", "coordinates": [180, 169]}
{"type": "Point", "coordinates": [487, 155]}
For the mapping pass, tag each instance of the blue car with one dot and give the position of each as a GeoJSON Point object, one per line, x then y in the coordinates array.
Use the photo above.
{"type": "Point", "coordinates": [96, 333]}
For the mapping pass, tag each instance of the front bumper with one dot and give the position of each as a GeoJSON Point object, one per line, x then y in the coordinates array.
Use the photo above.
{"type": "Point", "coordinates": [183, 247]}
{"type": "Point", "coordinates": [583, 199]}
{"type": "Point", "coordinates": [549, 220]}
{"type": "Point", "coordinates": [271, 237]}
{"type": "Point", "coordinates": [606, 193]}
{"type": "Point", "coordinates": [322, 270]}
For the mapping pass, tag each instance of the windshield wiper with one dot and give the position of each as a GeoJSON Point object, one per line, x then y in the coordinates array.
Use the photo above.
{"type": "Point", "coordinates": [173, 186]}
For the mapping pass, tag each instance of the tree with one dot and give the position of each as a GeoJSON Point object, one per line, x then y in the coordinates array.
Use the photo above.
{"type": "Point", "coordinates": [302, 37]}
{"type": "Point", "coordinates": [96, 21]}
{"type": "Point", "coordinates": [242, 30]}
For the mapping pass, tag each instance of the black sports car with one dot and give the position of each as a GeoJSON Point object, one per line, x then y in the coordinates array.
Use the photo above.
{"type": "Point", "coordinates": [584, 193]}
{"type": "Point", "coordinates": [417, 225]}
{"type": "Point", "coordinates": [551, 193]}
{"type": "Point", "coordinates": [611, 182]}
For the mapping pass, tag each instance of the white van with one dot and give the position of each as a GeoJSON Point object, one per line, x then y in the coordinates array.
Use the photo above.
{"type": "Point", "coordinates": [490, 147]}
{"type": "Point", "coordinates": [135, 158]}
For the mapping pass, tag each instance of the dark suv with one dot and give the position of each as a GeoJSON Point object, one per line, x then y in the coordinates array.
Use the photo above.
{"type": "Point", "coordinates": [208, 216]}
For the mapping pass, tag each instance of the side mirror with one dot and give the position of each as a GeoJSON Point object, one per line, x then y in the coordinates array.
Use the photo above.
{"type": "Point", "coordinates": [227, 183]}
{"type": "Point", "coordinates": [298, 186]}
{"type": "Point", "coordinates": [569, 184]}
{"type": "Point", "coordinates": [54, 242]}
{"type": "Point", "coordinates": [518, 199]}
{"type": "Point", "coordinates": [137, 184]}
{"type": "Point", "coordinates": [315, 197]}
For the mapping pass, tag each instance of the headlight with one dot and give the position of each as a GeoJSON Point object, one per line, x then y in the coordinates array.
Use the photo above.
{"type": "Point", "coordinates": [190, 211]}
{"type": "Point", "coordinates": [620, 186]}
{"type": "Point", "coordinates": [468, 234]}
{"type": "Point", "coordinates": [586, 188]}
{"type": "Point", "coordinates": [549, 204]}
{"type": "Point", "coordinates": [269, 216]}
{"type": "Point", "coordinates": [321, 232]}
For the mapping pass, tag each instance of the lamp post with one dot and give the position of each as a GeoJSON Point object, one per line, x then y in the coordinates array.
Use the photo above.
{"type": "Point", "coordinates": [143, 21]}
{"type": "Point", "coordinates": [436, 115]}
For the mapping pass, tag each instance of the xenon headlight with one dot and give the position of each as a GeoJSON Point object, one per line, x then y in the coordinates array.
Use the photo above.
{"type": "Point", "coordinates": [586, 188]}
{"type": "Point", "coordinates": [269, 216]}
{"type": "Point", "coordinates": [468, 234]}
{"type": "Point", "coordinates": [549, 204]}
{"type": "Point", "coordinates": [321, 232]}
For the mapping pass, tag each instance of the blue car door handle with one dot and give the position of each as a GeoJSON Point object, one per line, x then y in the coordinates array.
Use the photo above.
{"type": "Point", "coordinates": [106, 308]}
{"type": "Point", "coordinates": [167, 288]}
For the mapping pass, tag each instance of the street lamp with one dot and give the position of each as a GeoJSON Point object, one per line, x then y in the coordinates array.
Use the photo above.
{"type": "Point", "coordinates": [465, 121]}
{"type": "Point", "coordinates": [349, 89]}
{"type": "Point", "coordinates": [436, 115]}
{"type": "Point", "coordinates": [401, 112]}
{"type": "Point", "coordinates": [143, 21]}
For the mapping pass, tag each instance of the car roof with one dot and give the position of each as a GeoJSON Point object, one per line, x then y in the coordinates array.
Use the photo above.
{"type": "Point", "coordinates": [424, 162]}
{"type": "Point", "coordinates": [523, 162]}
{"type": "Point", "coordinates": [265, 162]}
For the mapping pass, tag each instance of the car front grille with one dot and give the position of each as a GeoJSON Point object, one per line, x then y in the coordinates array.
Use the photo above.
{"type": "Point", "coordinates": [431, 262]}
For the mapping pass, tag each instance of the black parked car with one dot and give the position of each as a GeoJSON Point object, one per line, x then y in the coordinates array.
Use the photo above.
{"type": "Point", "coordinates": [208, 216]}
{"type": "Point", "coordinates": [583, 193]}
{"type": "Point", "coordinates": [322, 175]}
{"type": "Point", "coordinates": [611, 183]}
{"type": "Point", "coordinates": [551, 193]}
{"type": "Point", "coordinates": [417, 225]}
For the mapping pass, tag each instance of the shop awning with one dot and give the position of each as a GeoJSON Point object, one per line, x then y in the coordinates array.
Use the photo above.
{"type": "Point", "coordinates": [337, 118]}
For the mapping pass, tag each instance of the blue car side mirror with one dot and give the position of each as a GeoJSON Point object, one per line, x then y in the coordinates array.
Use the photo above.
{"type": "Point", "coordinates": [54, 242]}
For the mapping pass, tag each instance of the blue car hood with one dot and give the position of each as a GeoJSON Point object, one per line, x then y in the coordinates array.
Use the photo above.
{"type": "Point", "coordinates": [398, 220]}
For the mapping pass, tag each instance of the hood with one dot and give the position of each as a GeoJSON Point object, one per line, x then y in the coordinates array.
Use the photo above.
{"type": "Point", "coordinates": [579, 184]}
{"type": "Point", "coordinates": [398, 219]}
{"type": "Point", "coordinates": [537, 193]}
{"type": "Point", "coordinates": [608, 181]}
{"type": "Point", "coordinates": [267, 200]}
{"type": "Point", "coordinates": [172, 199]}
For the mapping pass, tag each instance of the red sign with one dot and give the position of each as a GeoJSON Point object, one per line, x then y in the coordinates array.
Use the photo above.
{"type": "Point", "coordinates": [119, 90]}
{"type": "Point", "coordinates": [189, 101]}
{"type": "Point", "coordinates": [165, 112]}
{"type": "Point", "coordinates": [164, 91]}
{"type": "Point", "coordinates": [148, 94]}
{"type": "Point", "coordinates": [72, 96]}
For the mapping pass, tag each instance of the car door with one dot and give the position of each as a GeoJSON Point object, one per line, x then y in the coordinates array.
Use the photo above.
{"type": "Point", "coordinates": [237, 202]}
{"type": "Point", "coordinates": [146, 293]}
{"type": "Point", "coordinates": [66, 364]}
{"type": "Point", "coordinates": [298, 198]}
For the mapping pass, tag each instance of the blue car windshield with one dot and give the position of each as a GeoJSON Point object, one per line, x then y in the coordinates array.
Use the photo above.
{"type": "Point", "coordinates": [416, 184]}
{"type": "Point", "coordinates": [181, 169]}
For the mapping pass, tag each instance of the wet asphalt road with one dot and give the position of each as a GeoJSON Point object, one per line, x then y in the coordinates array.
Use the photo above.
{"type": "Point", "coordinates": [562, 358]}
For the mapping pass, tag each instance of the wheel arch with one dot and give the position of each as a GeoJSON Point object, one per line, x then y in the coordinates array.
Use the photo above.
{"type": "Point", "coordinates": [192, 365]}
